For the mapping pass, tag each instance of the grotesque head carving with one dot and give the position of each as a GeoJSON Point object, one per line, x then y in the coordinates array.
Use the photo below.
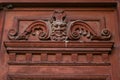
{"type": "Point", "coordinates": [59, 26]}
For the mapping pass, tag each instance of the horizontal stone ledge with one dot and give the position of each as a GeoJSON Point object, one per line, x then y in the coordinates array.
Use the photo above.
{"type": "Point", "coordinates": [57, 77]}
{"type": "Point", "coordinates": [50, 3]}
{"type": "Point", "coordinates": [58, 63]}
{"type": "Point", "coordinates": [58, 44]}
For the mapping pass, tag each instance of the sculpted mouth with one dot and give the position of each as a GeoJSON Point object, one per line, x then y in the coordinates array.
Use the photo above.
{"type": "Point", "coordinates": [59, 33]}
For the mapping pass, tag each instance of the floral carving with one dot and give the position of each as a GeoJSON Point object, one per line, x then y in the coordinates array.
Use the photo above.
{"type": "Point", "coordinates": [58, 29]}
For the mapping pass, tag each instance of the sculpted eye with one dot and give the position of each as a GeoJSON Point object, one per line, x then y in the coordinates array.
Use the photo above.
{"type": "Point", "coordinates": [62, 25]}
{"type": "Point", "coordinates": [56, 25]}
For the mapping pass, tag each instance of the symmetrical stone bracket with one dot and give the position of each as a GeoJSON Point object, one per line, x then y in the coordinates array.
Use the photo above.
{"type": "Point", "coordinates": [58, 28]}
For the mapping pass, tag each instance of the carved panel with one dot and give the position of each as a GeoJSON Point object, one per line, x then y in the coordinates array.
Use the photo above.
{"type": "Point", "coordinates": [63, 40]}
{"type": "Point", "coordinates": [59, 28]}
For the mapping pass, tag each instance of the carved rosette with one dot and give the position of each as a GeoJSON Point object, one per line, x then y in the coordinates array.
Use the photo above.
{"type": "Point", "coordinates": [58, 29]}
{"type": "Point", "coordinates": [105, 35]}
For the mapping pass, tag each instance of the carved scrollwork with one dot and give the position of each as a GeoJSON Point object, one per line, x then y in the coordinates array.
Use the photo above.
{"type": "Point", "coordinates": [105, 35]}
{"type": "Point", "coordinates": [79, 28]}
{"type": "Point", "coordinates": [37, 27]}
{"type": "Point", "coordinates": [42, 29]}
{"type": "Point", "coordinates": [59, 29]}
{"type": "Point", "coordinates": [12, 34]}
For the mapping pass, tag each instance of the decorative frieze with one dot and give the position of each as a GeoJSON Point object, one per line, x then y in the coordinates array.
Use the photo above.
{"type": "Point", "coordinates": [58, 28]}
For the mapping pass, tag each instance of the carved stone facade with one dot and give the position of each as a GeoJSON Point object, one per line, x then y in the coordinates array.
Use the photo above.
{"type": "Point", "coordinates": [59, 41]}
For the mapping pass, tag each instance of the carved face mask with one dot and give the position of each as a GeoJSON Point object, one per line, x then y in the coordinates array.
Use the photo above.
{"type": "Point", "coordinates": [58, 31]}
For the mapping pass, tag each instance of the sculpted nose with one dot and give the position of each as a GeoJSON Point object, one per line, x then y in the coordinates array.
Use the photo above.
{"type": "Point", "coordinates": [58, 26]}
